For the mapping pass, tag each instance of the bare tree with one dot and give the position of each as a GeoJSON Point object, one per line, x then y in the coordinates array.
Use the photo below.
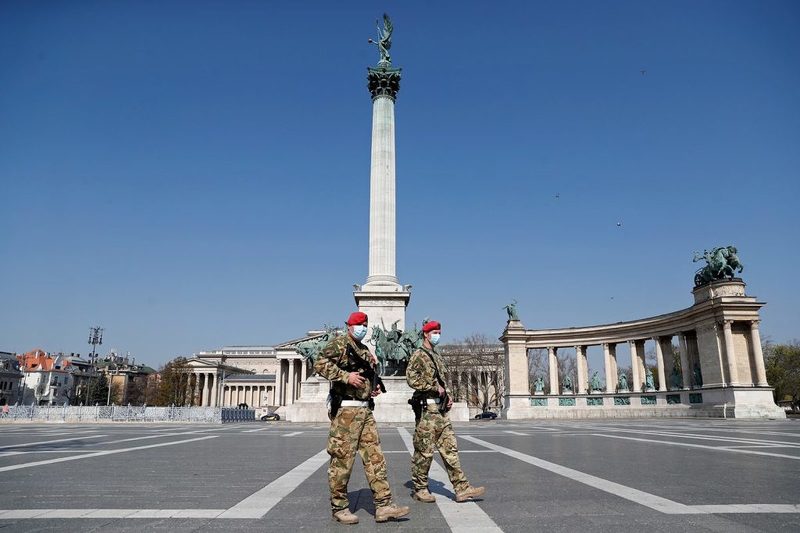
{"type": "Point", "coordinates": [538, 366]}
{"type": "Point", "coordinates": [475, 368]}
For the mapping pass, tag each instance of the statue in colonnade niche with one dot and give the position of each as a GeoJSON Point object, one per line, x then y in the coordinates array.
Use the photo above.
{"type": "Point", "coordinates": [595, 383]}
{"type": "Point", "coordinates": [698, 376]}
{"type": "Point", "coordinates": [648, 380]}
{"type": "Point", "coordinates": [721, 262]}
{"type": "Point", "coordinates": [538, 385]}
{"type": "Point", "coordinates": [511, 309]}
{"type": "Point", "coordinates": [567, 384]}
{"type": "Point", "coordinates": [623, 383]}
{"type": "Point", "coordinates": [677, 379]}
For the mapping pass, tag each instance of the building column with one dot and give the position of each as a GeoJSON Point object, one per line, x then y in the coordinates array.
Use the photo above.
{"type": "Point", "coordinates": [758, 355]}
{"type": "Point", "coordinates": [205, 390]}
{"type": "Point", "coordinates": [686, 372]}
{"type": "Point", "coordinates": [292, 378]}
{"type": "Point", "coordinates": [552, 367]}
{"type": "Point", "coordinates": [214, 389]}
{"type": "Point", "coordinates": [636, 386]}
{"type": "Point", "coordinates": [609, 369]}
{"type": "Point", "coordinates": [662, 377]}
{"type": "Point", "coordinates": [730, 354]}
{"type": "Point", "coordinates": [583, 368]}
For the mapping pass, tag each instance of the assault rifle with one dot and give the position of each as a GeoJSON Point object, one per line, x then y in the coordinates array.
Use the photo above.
{"type": "Point", "coordinates": [356, 363]}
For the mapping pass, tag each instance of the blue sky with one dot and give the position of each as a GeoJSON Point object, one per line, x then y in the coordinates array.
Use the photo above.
{"type": "Point", "coordinates": [195, 174]}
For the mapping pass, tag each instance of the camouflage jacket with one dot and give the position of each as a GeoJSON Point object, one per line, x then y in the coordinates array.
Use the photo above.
{"type": "Point", "coordinates": [332, 361]}
{"type": "Point", "coordinates": [420, 374]}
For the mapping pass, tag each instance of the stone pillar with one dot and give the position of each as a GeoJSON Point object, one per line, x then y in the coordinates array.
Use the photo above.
{"type": "Point", "coordinates": [730, 354]}
{"type": "Point", "coordinates": [279, 377]}
{"type": "Point", "coordinates": [516, 402]}
{"type": "Point", "coordinates": [583, 368]}
{"type": "Point", "coordinates": [758, 355]}
{"type": "Point", "coordinates": [662, 377]}
{"type": "Point", "coordinates": [609, 369]}
{"type": "Point", "coordinates": [686, 372]}
{"type": "Point", "coordinates": [206, 399]}
{"type": "Point", "coordinates": [292, 379]}
{"type": "Point", "coordinates": [636, 386]}
{"type": "Point", "coordinates": [552, 366]}
{"type": "Point", "coordinates": [382, 180]}
{"type": "Point", "coordinates": [214, 389]}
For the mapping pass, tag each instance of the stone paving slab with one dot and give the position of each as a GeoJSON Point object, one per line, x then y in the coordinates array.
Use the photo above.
{"type": "Point", "coordinates": [203, 485]}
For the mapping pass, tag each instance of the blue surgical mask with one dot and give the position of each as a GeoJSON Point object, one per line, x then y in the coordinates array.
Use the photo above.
{"type": "Point", "coordinates": [435, 338]}
{"type": "Point", "coordinates": [359, 331]}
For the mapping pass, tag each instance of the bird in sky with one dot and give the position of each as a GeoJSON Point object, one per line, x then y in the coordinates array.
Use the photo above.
{"type": "Point", "coordinates": [643, 71]}
{"type": "Point", "coordinates": [558, 196]}
{"type": "Point", "coordinates": [619, 224]}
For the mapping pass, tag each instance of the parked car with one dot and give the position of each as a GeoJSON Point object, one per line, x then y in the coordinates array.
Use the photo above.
{"type": "Point", "coordinates": [486, 414]}
{"type": "Point", "coordinates": [271, 416]}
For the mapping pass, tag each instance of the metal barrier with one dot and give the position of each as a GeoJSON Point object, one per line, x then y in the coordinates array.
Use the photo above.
{"type": "Point", "coordinates": [125, 413]}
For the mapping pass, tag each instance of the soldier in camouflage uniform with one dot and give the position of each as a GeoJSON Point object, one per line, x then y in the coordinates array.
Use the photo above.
{"type": "Point", "coordinates": [353, 429]}
{"type": "Point", "coordinates": [434, 429]}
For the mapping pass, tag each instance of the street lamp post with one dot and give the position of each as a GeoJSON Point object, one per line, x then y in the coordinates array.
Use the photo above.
{"type": "Point", "coordinates": [95, 338]}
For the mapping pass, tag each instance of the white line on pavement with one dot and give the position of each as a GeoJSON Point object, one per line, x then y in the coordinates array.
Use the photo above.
{"type": "Point", "coordinates": [258, 504]}
{"type": "Point", "coordinates": [109, 513]}
{"type": "Point", "coordinates": [292, 434]}
{"type": "Point", "coordinates": [466, 516]}
{"type": "Point", "coordinates": [703, 446]}
{"type": "Point", "coordinates": [253, 430]}
{"type": "Point", "coordinates": [98, 454]}
{"type": "Point", "coordinates": [49, 441]}
{"type": "Point", "coordinates": [643, 498]}
{"type": "Point", "coordinates": [749, 508]}
{"type": "Point", "coordinates": [517, 433]}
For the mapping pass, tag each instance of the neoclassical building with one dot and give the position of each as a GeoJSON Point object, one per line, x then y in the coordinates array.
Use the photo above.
{"type": "Point", "coordinates": [721, 363]}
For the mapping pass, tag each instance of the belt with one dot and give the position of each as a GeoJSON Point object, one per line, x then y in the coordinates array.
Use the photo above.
{"type": "Point", "coordinates": [433, 401]}
{"type": "Point", "coordinates": [354, 403]}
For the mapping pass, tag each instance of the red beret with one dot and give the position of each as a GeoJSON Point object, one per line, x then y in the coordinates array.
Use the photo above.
{"type": "Point", "coordinates": [357, 318]}
{"type": "Point", "coordinates": [430, 326]}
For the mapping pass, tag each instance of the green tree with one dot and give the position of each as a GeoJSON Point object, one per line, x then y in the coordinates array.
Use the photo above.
{"type": "Point", "coordinates": [782, 363]}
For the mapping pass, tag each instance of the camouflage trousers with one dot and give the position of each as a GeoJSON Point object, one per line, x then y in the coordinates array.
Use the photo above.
{"type": "Point", "coordinates": [434, 430]}
{"type": "Point", "coordinates": [354, 431]}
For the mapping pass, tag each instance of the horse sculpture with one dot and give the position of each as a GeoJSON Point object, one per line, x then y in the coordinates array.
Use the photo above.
{"type": "Point", "coordinates": [721, 263]}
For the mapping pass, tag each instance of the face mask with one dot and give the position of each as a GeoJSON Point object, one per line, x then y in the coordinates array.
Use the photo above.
{"type": "Point", "coordinates": [359, 331]}
{"type": "Point", "coordinates": [435, 338]}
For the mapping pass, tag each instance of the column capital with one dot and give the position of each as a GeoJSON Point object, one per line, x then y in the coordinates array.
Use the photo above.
{"type": "Point", "coordinates": [755, 323]}
{"type": "Point", "coordinates": [383, 81]}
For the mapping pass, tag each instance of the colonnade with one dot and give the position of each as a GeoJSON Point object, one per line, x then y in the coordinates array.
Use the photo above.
{"type": "Point", "coordinates": [668, 377]}
{"type": "Point", "coordinates": [252, 395]}
{"type": "Point", "coordinates": [476, 384]}
{"type": "Point", "coordinates": [291, 372]}
{"type": "Point", "coordinates": [201, 389]}
{"type": "Point", "coordinates": [710, 354]}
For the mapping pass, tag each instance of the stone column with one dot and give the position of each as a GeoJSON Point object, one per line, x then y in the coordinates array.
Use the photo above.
{"type": "Point", "coordinates": [636, 386]}
{"type": "Point", "coordinates": [609, 369]}
{"type": "Point", "coordinates": [662, 377]}
{"type": "Point", "coordinates": [516, 402]}
{"type": "Point", "coordinates": [686, 372]}
{"type": "Point", "coordinates": [292, 379]}
{"type": "Point", "coordinates": [279, 377]}
{"type": "Point", "coordinates": [583, 370]}
{"type": "Point", "coordinates": [758, 355]}
{"type": "Point", "coordinates": [730, 354]}
{"type": "Point", "coordinates": [214, 389]}
{"type": "Point", "coordinates": [552, 366]}
{"type": "Point", "coordinates": [384, 85]}
{"type": "Point", "coordinates": [206, 399]}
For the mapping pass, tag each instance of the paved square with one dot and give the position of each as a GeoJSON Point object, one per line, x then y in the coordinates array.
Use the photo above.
{"type": "Point", "coordinates": [654, 475]}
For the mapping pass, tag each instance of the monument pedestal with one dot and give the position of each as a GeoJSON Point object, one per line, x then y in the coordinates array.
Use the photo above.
{"type": "Point", "coordinates": [383, 304]}
{"type": "Point", "coordinates": [390, 407]}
